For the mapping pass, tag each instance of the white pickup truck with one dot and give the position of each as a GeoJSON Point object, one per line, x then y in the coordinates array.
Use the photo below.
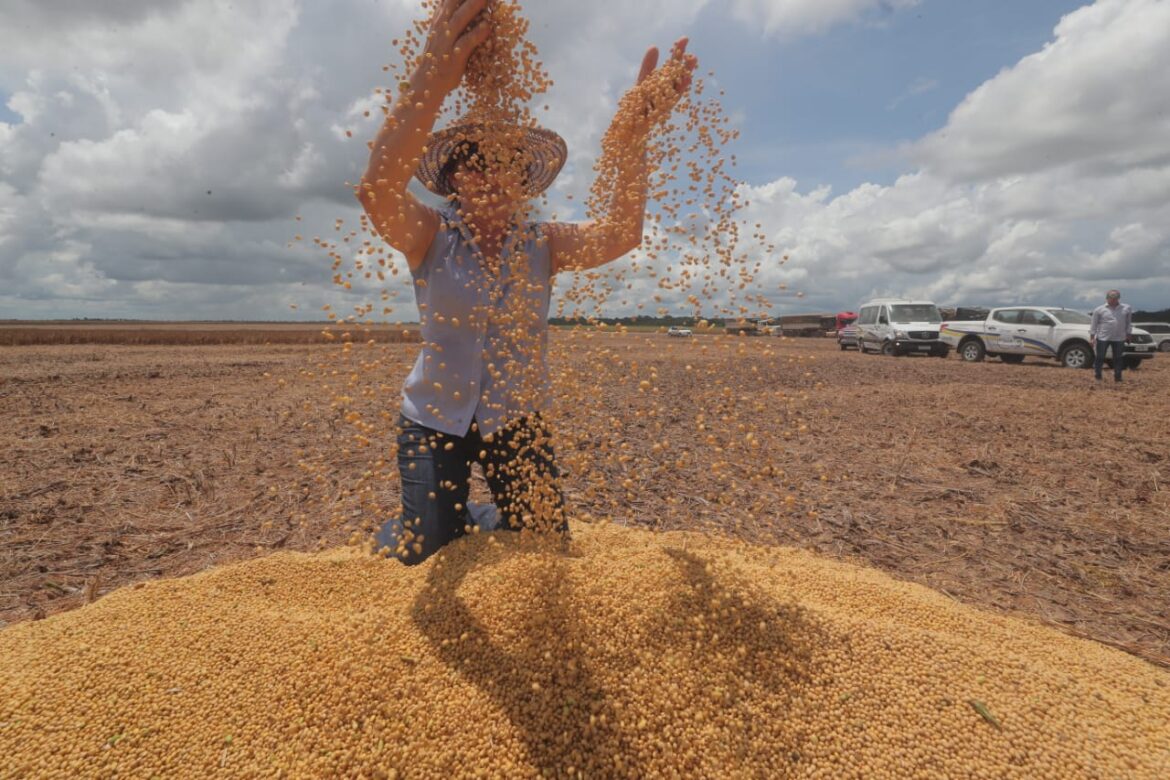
{"type": "Point", "coordinates": [1016, 332]}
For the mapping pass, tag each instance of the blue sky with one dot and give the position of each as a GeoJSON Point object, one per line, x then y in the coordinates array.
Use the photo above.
{"type": "Point", "coordinates": [839, 104]}
{"type": "Point", "coordinates": [926, 148]}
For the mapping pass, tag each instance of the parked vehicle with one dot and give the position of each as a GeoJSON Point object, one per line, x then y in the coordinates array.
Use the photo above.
{"type": "Point", "coordinates": [1159, 331]}
{"type": "Point", "coordinates": [675, 330]}
{"type": "Point", "coordinates": [964, 313]}
{"type": "Point", "coordinates": [1016, 332]}
{"type": "Point", "coordinates": [743, 328]}
{"type": "Point", "coordinates": [1139, 348]}
{"type": "Point", "coordinates": [847, 337]}
{"type": "Point", "coordinates": [805, 325]}
{"type": "Point", "coordinates": [900, 327]}
{"type": "Point", "coordinates": [846, 329]}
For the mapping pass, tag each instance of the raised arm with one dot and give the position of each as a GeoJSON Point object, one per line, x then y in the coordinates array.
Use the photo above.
{"type": "Point", "coordinates": [405, 223]}
{"type": "Point", "coordinates": [584, 245]}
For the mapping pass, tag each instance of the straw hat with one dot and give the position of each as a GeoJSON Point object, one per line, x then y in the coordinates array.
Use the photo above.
{"type": "Point", "coordinates": [543, 152]}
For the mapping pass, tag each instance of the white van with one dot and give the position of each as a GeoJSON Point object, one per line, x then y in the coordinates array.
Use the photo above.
{"type": "Point", "coordinates": [1159, 331]}
{"type": "Point", "coordinates": [894, 326]}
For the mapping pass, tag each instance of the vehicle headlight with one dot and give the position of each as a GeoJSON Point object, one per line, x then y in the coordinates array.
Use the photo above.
{"type": "Point", "coordinates": [901, 334]}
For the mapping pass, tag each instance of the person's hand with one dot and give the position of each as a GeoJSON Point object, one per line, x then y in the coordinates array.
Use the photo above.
{"type": "Point", "coordinates": [457, 28]}
{"type": "Point", "coordinates": [660, 89]}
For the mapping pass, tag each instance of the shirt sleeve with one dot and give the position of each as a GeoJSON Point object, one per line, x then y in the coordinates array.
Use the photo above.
{"type": "Point", "coordinates": [1094, 322]}
{"type": "Point", "coordinates": [1128, 322]}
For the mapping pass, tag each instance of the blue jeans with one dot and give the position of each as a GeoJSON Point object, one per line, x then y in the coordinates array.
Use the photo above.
{"type": "Point", "coordinates": [521, 473]}
{"type": "Point", "coordinates": [1118, 357]}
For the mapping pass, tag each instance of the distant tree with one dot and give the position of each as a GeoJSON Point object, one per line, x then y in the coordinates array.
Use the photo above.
{"type": "Point", "coordinates": [641, 320]}
{"type": "Point", "coordinates": [1152, 316]}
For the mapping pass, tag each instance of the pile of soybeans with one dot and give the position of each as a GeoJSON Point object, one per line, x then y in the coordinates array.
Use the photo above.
{"type": "Point", "coordinates": [633, 654]}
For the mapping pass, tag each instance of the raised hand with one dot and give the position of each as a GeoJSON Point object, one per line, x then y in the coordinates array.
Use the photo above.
{"type": "Point", "coordinates": [457, 28]}
{"type": "Point", "coordinates": [660, 89]}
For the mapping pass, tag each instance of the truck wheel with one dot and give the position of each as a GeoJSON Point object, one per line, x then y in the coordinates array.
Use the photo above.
{"type": "Point", "coordinates": [1164, 346]}
{"type": "Point", "coordinates": [888, 349]}
{"type": "Point", "coordinates": [1133, 364]}
{"type": "Point", "coordinates": [1077, 355]}
{"type": "Point", "coordinates": [942, 353]}
{"type": "Point", "coordinates": [972, 350]}
{"type": "Point", "coordinates": [1012, 358]}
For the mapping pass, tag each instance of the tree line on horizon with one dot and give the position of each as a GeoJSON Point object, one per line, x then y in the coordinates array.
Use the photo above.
{"type": "Point", "coordinates": [644, 320]}
{"type": "Point", "coordinates": [1139, 315]}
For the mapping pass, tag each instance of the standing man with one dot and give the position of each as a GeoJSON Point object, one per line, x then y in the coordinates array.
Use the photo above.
{"type": "Point", "coordinates": [1111, 327]}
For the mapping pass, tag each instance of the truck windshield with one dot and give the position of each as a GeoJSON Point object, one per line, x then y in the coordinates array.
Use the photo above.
{"type": "Point", "coordinates": [1070, 316]}
{"type": "Point", "coordinates": [915, 312]}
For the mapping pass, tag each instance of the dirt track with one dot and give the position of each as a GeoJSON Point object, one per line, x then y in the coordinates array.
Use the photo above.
{"type": "Point", "coordinates": [1020, 488]}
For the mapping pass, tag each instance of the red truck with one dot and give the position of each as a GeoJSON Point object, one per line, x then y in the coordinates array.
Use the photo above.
{"type": "Point", "coordinates": [846, 329]}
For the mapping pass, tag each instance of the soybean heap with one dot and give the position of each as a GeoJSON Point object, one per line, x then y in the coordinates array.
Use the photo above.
{"type": "Point", "coordinates": [641, 655]}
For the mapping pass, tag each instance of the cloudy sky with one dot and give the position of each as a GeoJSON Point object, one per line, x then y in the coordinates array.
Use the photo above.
{"type": "Point", "coordinates": [154, 154]}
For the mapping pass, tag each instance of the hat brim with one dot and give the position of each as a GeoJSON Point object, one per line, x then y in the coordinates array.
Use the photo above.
{"type": "Point", "coordinates": [544, 153]}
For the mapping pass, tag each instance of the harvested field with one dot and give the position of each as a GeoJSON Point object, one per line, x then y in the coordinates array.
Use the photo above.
{"type": "Point", "coordinates": [186, 334]}
{"type": "Point", "coordinates": [1022, 489]}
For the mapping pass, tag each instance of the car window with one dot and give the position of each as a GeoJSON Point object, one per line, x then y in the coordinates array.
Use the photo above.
{"type": "Point", "coordinates": [1009, 316]}
{"type": "Point", "coordinates": [915, 312]}
{"type": "Point", "coordinates": [1150, 327]}
{"type": "Point", "coordinates": [1033, 317]}
{"type": "Point", "coordinates": [1070, 316]}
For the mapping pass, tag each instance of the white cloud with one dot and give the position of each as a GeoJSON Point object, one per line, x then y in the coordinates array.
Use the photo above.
{"type": "Point", "coordinates": [1094, 98]}
{"type": "Point", "coordinates": [806, 17]}
{"type": "Point", "coordinates": [1050, 182]}
{"type": "Point", "coordinates": [9, 206]}
{"type": "Point", "coordinates": [62, 272]}
{"type": "Point", "coordinates": [163, 137]}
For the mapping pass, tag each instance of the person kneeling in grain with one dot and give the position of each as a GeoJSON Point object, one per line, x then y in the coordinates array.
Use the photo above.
{"type": "Point", "coordinates": [482, 278]}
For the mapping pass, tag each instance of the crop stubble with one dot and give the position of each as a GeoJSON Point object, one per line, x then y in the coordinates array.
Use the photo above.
{"type": "Point", "coordinates": [1018, 488]}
